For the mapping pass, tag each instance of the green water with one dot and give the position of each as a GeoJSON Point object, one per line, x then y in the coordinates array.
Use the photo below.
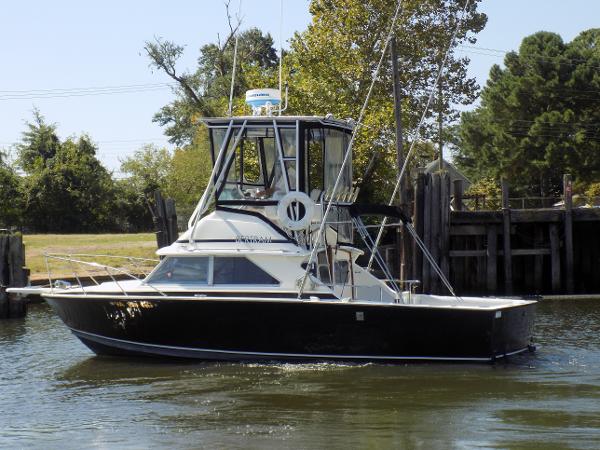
{"type": "Point", "coordinates": [55, 394]}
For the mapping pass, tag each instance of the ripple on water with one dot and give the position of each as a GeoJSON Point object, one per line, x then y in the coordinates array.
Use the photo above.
{"type": "Point", "coordinates": [53, 391]}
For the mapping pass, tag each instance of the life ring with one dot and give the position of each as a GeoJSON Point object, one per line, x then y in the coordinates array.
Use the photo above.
{"type": "Point", "coordinates": [282, 210]}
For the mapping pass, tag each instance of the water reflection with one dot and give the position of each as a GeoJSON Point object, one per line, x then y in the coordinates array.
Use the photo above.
{"type": "Point", "coordinates": [53, 391]}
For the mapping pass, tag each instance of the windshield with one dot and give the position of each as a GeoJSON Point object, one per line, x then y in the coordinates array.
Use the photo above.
{"type": "Point", "coordinates": [255, 169]}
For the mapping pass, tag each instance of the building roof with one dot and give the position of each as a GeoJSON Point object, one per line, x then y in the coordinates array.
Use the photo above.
{"type": "Point", "coordinates": [454, 173]}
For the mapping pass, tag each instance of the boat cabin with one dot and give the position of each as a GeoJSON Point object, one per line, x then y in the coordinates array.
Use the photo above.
{"type": "Point", "coordinates": [260, 159]}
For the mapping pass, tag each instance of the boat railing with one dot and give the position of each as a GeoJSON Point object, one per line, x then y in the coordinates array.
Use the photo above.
{"type": "Point", "coordinates": [74, 267]}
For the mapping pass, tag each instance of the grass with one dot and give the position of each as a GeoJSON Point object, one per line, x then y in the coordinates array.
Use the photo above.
{"type": "Point", "coordinates": [142, 245]}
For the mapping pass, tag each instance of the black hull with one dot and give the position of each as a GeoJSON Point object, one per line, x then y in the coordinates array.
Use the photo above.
{"type": "Point", "coordinates": [289, 330]}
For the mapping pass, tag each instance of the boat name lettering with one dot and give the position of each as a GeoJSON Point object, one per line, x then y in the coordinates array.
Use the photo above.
{"type": "Point", "coordinates": [253, 239]}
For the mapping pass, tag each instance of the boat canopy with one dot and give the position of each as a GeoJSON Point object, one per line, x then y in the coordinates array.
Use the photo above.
{"type": "Point", "coordinates": [264, 158]}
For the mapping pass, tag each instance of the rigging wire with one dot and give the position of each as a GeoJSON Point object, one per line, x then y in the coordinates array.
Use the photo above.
{"type": "Point", "coordinates": [280, 49]}
{"type": "Point", "coordinates": [418, 129]}
{"type": "Point", "coordinates": [349, 150]}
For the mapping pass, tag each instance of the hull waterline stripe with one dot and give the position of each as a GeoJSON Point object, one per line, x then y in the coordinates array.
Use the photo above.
{"type": "Point", "coordinates": [99, 338]}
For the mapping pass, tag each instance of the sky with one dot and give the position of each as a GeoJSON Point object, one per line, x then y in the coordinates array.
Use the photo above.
{"type": "Point", "coordinates": [83, 66]}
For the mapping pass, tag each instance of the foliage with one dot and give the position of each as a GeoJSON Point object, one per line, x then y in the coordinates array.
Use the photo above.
{"type": "Point", "coordinates": [538, 116]}
{"type": "Point", "coordinates": [148, 168]}
{"type": "Point", "coordinates": [330, 67]}
{"type": "Point", "coordinates": [65, 188]}
{"type": "Point", "coordinates": [189, 173]}
{"type": "Point", "coordinates": [10, 198]}
{"type": "Point", "coordinates": [489, 189]}
{"type": "Point", "coordinates": [335, 58]}
{"type": "Point", "coordinates": [39, 143]}
{"type": "Point", "coordinates": [205, 91]}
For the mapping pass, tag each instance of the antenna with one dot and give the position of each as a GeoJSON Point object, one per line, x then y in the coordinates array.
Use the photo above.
{"type": "Point", "coordinates": [281, 46]}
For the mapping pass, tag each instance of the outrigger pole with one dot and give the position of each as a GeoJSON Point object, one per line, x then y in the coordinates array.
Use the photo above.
{"type": "Point", "coordinates": [348, 151]}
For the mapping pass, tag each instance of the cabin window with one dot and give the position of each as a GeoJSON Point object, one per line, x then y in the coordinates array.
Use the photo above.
{"type": "Point", "coordinates": [236, 270]}
{"type": "Point", "coordinates": [217, 135]}
{"type": "Point", "coordinates": [181, 270]}
{"type": "Point", "coordinates": [336, 143]}
{"type": "Point", "coordinates": [341, 272]}
{"type": "Point", "coordinates": [253, 169]}
{"type": "Point", "coordinates": [326, 149]}
{"type": "Point", "coordinates": [314, 145]}
{"type": "Point", "coordinates": [210, 270]}
{"type": "Point", "coordinates": [288, 142]}
{"type": "Point", "coordinates": [323, 268]}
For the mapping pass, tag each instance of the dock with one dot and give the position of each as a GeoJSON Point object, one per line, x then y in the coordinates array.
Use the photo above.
{"type": "Point", "coordinates": [12, 274]}
{"type": "Point", "coordinates": [552, 251]}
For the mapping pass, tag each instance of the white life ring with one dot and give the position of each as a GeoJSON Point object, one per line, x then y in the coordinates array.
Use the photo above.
{"type": "Point", "coordinates": [282, 210]}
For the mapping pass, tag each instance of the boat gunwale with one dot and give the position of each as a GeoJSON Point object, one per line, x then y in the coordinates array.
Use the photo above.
{"type": "Point", "coordinates": [287, 300]}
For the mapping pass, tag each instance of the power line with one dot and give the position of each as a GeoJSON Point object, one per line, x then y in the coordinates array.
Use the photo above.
{"type": "Point", "coordinates": [117, 142]}
{"type": "Point", "coordinates": [29, 91]}
{"type": "Point", "coordinates": [80, 92]}
{"type": "Point", "coordinates": [496, 53]}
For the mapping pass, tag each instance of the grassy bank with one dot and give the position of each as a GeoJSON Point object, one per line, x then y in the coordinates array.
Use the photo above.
{"type": "Point", "coordinates": [142, 245]}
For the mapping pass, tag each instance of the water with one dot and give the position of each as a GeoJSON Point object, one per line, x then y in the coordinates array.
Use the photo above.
{"type": "Point", "coordinates": [55, 394]}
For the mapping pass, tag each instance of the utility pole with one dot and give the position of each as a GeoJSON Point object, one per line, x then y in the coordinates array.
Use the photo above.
{"type": "Point", "coordinates": [403, 240]}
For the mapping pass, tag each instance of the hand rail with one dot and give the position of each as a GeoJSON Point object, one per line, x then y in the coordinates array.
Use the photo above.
{"type": "Point", "coordinates": [68, 258]}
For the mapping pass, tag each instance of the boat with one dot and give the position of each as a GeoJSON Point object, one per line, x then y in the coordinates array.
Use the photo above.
{"type": "Point", "coordinates": [268, 269]}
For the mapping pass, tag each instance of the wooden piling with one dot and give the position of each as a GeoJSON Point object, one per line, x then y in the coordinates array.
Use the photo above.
{"type": "Point", "coordinates": [555, 257]}
{"type": "Point", "coordinates": [12, 274]}
{"type": "Point", "coordinates": [435, 223]}
{"type": "Point", "coordinates": [164, 217]}
{"type": "Point", "coordinates": [418, 219]}
{"type": "Point", "coordinates": [171, 219]}
{"type": "Point", "coordinates": [406, 262]}
{"type": "Point", "coordinates": [508, 281]}
{"type": "Point", "coordinates": [492, 260]}
{"type": "Point", "coordinates": [426, 273]}
{"type": "Point", "coordinates": [568, 226]}
{"type": "Point", "coordinates": [445, 224]}
{"type": "Point", "coordinates": [538, 266]}
{"type": "Point", "coordinates": [457, 194]}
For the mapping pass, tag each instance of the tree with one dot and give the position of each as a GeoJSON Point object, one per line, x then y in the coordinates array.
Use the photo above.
{"type": "Point", "coordinates": [66, 188]}
{"type": "Point", "coordinates": [148, 169]}
{"type": "Point", "coordinates": [181, 176]}
{"type": "Point", "coordinates": [39, 143]}
{"type": "Point", "coordinates": [335, 58]}
{"type": "Point", "coordinates": [11, 199]}
{"type": "Point", "coordinates": [205, 92]}
{"type": "Point", "coordinates": [538, 116]}
{"type": "Point", "coordinates": [190, 170]}
{"type": "Point", "coordinates": [330, 67]}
